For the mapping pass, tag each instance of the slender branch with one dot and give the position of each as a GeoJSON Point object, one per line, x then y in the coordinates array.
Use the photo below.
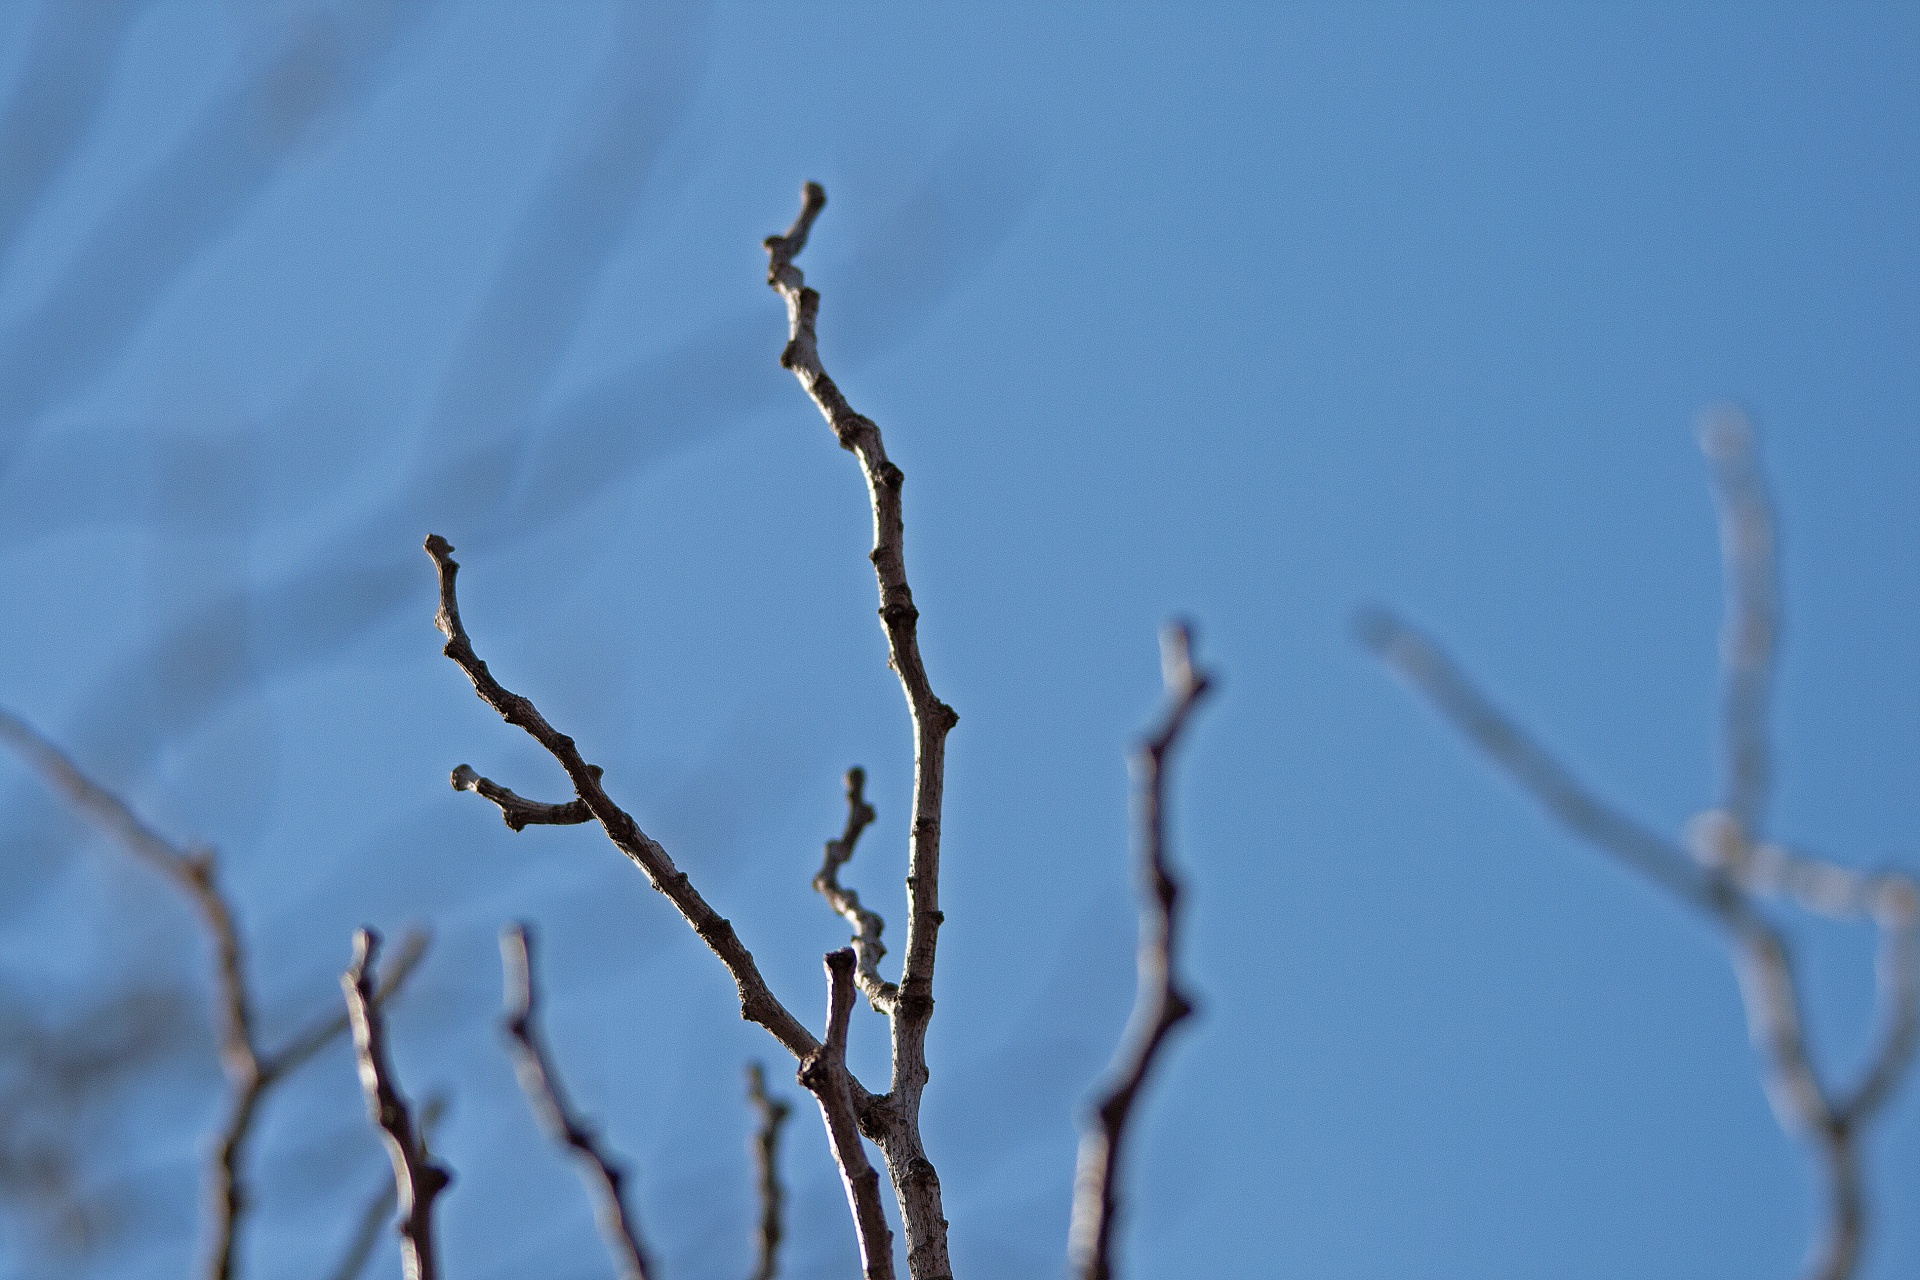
{"type": "Point", "coordinates": [251, 1071]}
{"type": "Point", "coordinates": [773, 1113]}
{"type": "Point", "coordinates": [1750, 635]}
{"type": "Point", "coordinates": [757, 1001]}
{"type": "Point", "coordinates": [896, 1127]}
{"type": "Point", "coordinates": [417, 1179]}
{"type": "Point", "coordinates": [1897, 976]}
{"type": "Point", "coordinates": [519, 812]}
{"type": "Point", "coordinates": [825, 1076]}
{"type": "Point", "coordinates": [379, 1208]}
{"type": "Point", "coordinates": [1159, 1004]}
{"type": "Point", "coordinates": [541, 1084]}
{"type": "Point", "coordinates": [406, 957]}
{"type": "Point", "coordinates": [1422, 665]}
{"type": "Point", "coordinates": [867, 925]}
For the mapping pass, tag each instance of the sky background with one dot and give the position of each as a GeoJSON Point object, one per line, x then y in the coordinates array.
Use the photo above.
{"type": "Point", "coordinates": [1255, 315]}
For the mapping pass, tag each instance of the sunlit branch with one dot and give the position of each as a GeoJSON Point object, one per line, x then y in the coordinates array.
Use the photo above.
{"type": "Point", "coordinates": [896, 1126]}
{"type": "Point", "coordinates": [1160, 1003]}
{"type": "Point", "coordinates": [825, 1076]}
{"type": "Point", "coordinates": [417, 1179]}
{"type": "Point", "coordinates": [867, 925]}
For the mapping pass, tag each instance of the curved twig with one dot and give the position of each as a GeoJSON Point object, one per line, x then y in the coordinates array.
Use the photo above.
{"type": "Point", "coordinates": [867, 925]}
{"type": "Point", "coordinates": [541, 1084]}
{"type": "Point", "coordinates": [1160, 1004]}
{"type": "Point", "coordinates": [417, 1179]}
{"type": "Point", "coordinates": [518, 811]}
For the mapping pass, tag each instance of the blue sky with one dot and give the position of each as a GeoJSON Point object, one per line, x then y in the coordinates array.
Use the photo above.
{"type": "Point", "coordinates": [1255, 315]}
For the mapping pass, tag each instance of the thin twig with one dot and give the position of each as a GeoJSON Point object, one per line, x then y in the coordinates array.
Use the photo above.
{"type": "Point", "coordinates": [896, 1127]}
{"type": "Point", "coordinates": [757, 1001]}
{"type": "Point", "coordinates": [541, 1084]}
{"type": "Point", "coordinates": [251, 1071]}
{"type": "Point", "coordinates": [1159, 1004]}
{"type": "Point", "coordinates": [867, 925]}
{"type": "Point", "coordinates": [417, 1179]}
{"type": "Point", "coordinates": [1750, 635]}
{"type": "Point", "coordinates": [518, 811]}
{"type": "Point", "coordinates": [379, 1209]}
{"type": "Point", "coordinates": [825, 1076]}
{"type": "Point", "coordinates": [773, 1113]}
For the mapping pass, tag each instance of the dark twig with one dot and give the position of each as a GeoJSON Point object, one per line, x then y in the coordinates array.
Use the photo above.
{"type": "Point", "coordinates": [867, 925]}
{"type": "Point", "coordinates": [1159, 1004]}
{"type": "Point", "coordinates": [417, 1179]}
{"type": "Point", "coordinates": [541, 1084]}
{"type": "Point", "coordinates": [773, 1113]}
{"type": "Point", "coordinates": [250, 1070]}
{"type": "Point", "coordinates": [1729, 863]}
{"type": "Point", "coordinates": [896, 1127]}
{"type": "Point", "coordinates": [519, 812]}
{"type": "Point", "coordinates": [757, 1001]}
{"type": "Point", "coordinates": [379, 1209]}
{"type": "Point", "coordinates": [825, 1076]}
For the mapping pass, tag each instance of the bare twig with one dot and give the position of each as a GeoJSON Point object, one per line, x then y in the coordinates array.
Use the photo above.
{"type": "Point", "coordinates": [1750, 634]}
{"type": "Point", "coordinates": [757, 1001]}
{"type": "Point", "coordinates": [251, 1071]}
{"type": "Point", "coordinates": [867, 925]}
{"type": "Point", "coordinates": [379, 1208]}
{"type": "Point", "coordinates": [824, 1074]}
{"type": "Point", "coordinates": [1159, 1004]}
{"type": "Point", "coordinates": [1729, 863]}
{"type": "Point", "coordinates": [541, 1084]}
{"type": "Point", "coordinates": [896, 1127]}
{"type": "Point", "coordinates": [417, 1179]}
{"type": "Point", "coordinates": [519, 812]}
{"type": "Point", "coordinates": [773, 1113]}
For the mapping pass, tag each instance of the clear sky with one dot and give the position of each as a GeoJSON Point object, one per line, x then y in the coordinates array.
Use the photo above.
{"type": "Point", "coordinates": [1252, 314]}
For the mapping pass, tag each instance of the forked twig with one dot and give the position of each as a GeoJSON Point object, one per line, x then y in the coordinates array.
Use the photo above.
{"type": "Point", "coordinates": [417, 1179]}
{"type": "Point", "coordinates": [773, 1113]}
{"type": "Point", "coordinates": [1160, 1003]}
{"type": "Point", "coordinates": [1729, 863]}
{"type": "Point", "coordinates": [541, 1084]}
{"type": "Point", "coordinates": [379, 1208]}
{"type": "Point", "coordinates": [251, 1071]}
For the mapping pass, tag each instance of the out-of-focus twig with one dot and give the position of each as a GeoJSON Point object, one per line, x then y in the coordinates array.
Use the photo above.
{"type": "Point", "coordinates": [1729, 864]}
{"type": "Point", "coordinates": [379, 1209]}
{"type": "Point", "coordinates": [602, 1174]}
{"type": "Point", "coordinates": [1160, 1003]}
{"type": "Point", "coordinates": [417, 1179]}
{"type": "Point", "coordinates": [773, 1113]}
{"type": "Point", "coordinates": [250, 1070]}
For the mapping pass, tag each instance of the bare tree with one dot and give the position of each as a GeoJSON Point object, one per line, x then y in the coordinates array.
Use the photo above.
{"type": "Point", "coordinates": [1729, 864]}
{"type": "Point", "coordinates": [853, 1114]}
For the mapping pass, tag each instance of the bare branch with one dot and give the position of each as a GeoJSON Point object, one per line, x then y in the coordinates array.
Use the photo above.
{"type": "Point", "coordinates": [773, 1114]}
{"type": "Point", "coordinates": [896, 1127]}
{"type": "Point", "coordinates": [1160, 1004]}
{"type": "Point", "coordinates": [825, 1076]}
{"type": "Point", "coordinates": [757, 1001]}
{"type": "Point", "coordinates": [542, 1086]}
{"type": "Point", "coordinates": [1750, 636]}
{"type": "Point", "coordinates": [1897, 976]}
{"type": "Point", "coordinates": [417, 1180]}
{"type": "Point", "coordinates": [1421, 664]}
{"type": "Point", "coordinates": [379, 1209]}
{"type": "Point", "coordinates": [519, 812]}
{"type": "Point", "coordinates": [867, 925]}
{"type": "Point", "coordinates": [250, 1071]}
{"type": "Point", "coordinates": [407, 954]}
